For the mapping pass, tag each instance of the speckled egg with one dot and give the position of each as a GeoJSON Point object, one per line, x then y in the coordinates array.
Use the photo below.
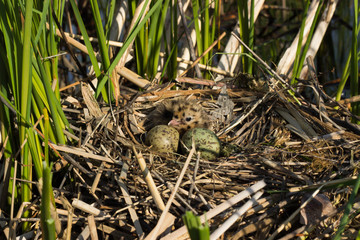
{"type": "Point", "coordinates": [163, 138]}
{"type": "Point", "coordinates": [206, 142]}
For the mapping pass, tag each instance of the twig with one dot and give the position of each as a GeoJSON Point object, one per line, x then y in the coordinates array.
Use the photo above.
{"type": "Point", "coordinates": [234, 217]}
{"type": "Point", "coordinates": [171, 198]}
{"type": "Point", "coordinates": [127, 198]}
{"type": "Point", "coordinates": [204, 53]}
{"type": "Point", "coordinates": [149, 180]}
{"type": "Point", "coordinates": [219, 209]}
{"type": "Point", "coordinates": [191, 46]}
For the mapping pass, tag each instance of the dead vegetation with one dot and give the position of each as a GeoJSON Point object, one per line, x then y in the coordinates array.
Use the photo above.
{"type": "Point", "coordinates": [297, 156]}
{"type": "Point", "coordinates": [295, 149]}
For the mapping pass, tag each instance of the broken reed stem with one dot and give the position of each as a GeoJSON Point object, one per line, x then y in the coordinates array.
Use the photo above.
{"type": "Point", "coordinates": [204, 53]}
{"type": "Point", "coordinates": [219, 209]}
{"type": "Point", "coordinates": [235, 216]}
{"type": "Point", "coordinates": [162, 54]}
{"type": "Point", "coordinates": [149, 180]}
{"type": "Point", "coordinates": [171, 198]}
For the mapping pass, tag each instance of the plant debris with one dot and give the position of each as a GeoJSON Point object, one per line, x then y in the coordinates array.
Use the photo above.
{"type": "Point", "coordinates": [293, 148]}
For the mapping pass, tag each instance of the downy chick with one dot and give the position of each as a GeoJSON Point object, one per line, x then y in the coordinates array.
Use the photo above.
{"type": "Point", "coordinates": [181, 114]}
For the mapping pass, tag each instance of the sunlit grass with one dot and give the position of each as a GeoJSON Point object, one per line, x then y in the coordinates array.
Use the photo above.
{"type": "Point", "coordinates": [354, 62]}
{"type": "Point", "coordinates": [29, 66]}
{"type": "Point", "coordinates": [196, 229]}
{"type": "Point", "coordinates": [27, 85]}
{"type": "Point", "coordinates": [247, 29]}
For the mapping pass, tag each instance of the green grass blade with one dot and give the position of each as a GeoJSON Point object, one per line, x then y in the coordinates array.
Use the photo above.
{"type": "Point", "coordinates": [301, 58]}
{"type": "Point", "coordinates": [24, 104]}
{"type": "Point", "coordinates": [195, 7]}
{"type": "Point", "coordinates": [43, 17]}
{"type": "Point", "coordinates": [155, 52]}
{"type": "Point", "coordinates": [196, 230]}
{"type": "Point", "coordinates": [127, 42]}
{"type": "Point", "coordinates": [151, 66]}
{"type": "Point", "coordinates": [100, 34]}
{"type": "Point", "coordinates": [346, 72]}
{"type": "Point", "coordinates": [87, 42]}
{"type": "Point", "coordinates": [109, 17]}
{"type": "Point", "coordinates": [47, 222]}
{"type": "Point", "coordinates": [104, 51]}
{"type": "Point", "coordinates": [52, 101]}
{"type": "Point", "coordinates": [46, 135]}
{"type": "Point", "coordinates": [173, 41]}
{"type": "Point", "coordinates": [206, 31]}
{"type": "Point", "coordinates": [354, 67]}
{"type": "Point", "coordinates": [35, 151]}
{"type": "Point", "coordinates": [296, 74]}
{"type": "Point", "coordinates": [297, 64]}
{"type": "Point", "coordinates": [345, 219]}
{"type": "Point", "coordinates": [244, 29]}
{"type": "Point", "coordinates": [251, 36]}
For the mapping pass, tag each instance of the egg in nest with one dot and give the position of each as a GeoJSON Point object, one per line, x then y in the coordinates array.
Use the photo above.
{"type": "Point", "coordinates": [163, 138]}
{"type": "Point", "coordinates": [206, 142]}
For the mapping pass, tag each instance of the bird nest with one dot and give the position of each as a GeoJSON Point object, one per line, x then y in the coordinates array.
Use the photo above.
{"type": "Point", "coordinates": [283, 173]}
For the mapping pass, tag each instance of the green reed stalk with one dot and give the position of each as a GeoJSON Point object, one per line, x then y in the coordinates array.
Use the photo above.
{"type": "Point", "coordinates": [196, 12]}
{"type": "Point", "coordinates": [251, 36]}
{"type": "Point", "coordinates": [156, 31]}
{"type": "Point", "coordinates": [351, 67]}
{"type": "Point", "coordinates": [87, 42]}
{"type": "Point", "coordinates": [345, 74]}
{"type": "Point", "coordinates": [104, 50]}
{"type": "Point", "coordinates": [172, 70]}
{"type": "Point", "coordinates": [246, 23]}
{"type": "Point", "coordinates": [196, 230]}
{"type": "Point", "coordinates": [129, 39]}
{"type": "Point", "coordinates": [25, 97]}
{"type": "Point", "coordinates": [149, 39]}
{"type": "Point", "coordinates": [301, 59]}
{"type": "Point", "coordinates": [109, 18]}
{"type": "Point", "coordinates": [26, 87]}
{"type": "Point", "coordinates": [140, 43]}
{"type": "Point", "coordinates": [297, 63]}
{"type": "Point", "coordinates": [345, 219]}
{"type": "Point", "coordinates": [47, 222]}
{"type": "Point", "coordinates": [354, 67]}
{"type": "Point", "coordinates": [205, 28]}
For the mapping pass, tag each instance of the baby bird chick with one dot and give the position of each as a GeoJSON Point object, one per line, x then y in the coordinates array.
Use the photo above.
{"type": "Point", "coordinates": [181, 114]}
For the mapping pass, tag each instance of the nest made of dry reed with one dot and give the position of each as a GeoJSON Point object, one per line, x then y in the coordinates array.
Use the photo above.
{"type": "Point", "coordinates": [293, 147]}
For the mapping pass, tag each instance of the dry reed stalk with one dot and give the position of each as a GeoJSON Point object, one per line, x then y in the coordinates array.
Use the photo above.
{"type": "Point", "coordinates": [181, 233]}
